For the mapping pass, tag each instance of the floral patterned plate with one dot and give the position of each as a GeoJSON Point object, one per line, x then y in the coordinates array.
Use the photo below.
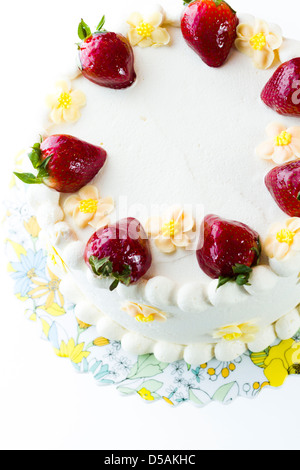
{"type": "Point", "coordinates": [38, 288]}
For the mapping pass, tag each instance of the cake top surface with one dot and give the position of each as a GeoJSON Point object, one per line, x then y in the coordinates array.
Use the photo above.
{"type": "Point", "coordinates": [183, 134]}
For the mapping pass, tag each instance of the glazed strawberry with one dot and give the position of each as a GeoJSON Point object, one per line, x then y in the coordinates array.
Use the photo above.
{"type": "Point", "coordinates": [209, 28]}
{"type": "Point", "coordinates": [106, 58]}
{"type": "Point", "coordinates": [120, 252]}
{"type": "Point", "coordinates": [283, 182]}
{"type": "Point", "coordinates": [228, 250]}
{"type": "Point", "coordinates": [282, 92]}
{"type": "Point", "coordinates": [64, 163]}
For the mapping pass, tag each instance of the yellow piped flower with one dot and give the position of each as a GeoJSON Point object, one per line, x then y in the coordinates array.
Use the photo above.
{"type": "Point", "coordinates": [282, 144]}
{"type": "Point", "coordinates": [259, 40]}
{"type": "Point", "coordinates": [284, 138]}
{"type": "Point", "coordinates": [65, 103]}
{"type": "Point", "coordinates": [144, 29]}
{"type": "Point", "coordinates": [285, 236]}
{"type": "Point", "coordinates": [244, 332]}
{"type": "Point", "coordinates": [149, 32]}
{"type": "Point", "coordinates": [87, 208]}
{"type": "Point", "coordinates": [283, 239]}
{"type": "Point", "coordinates": [171, 231]}
{"type": "Point", "coordinates": [65, 100]}
{"type": "Point", "coordinates": [144, 313]}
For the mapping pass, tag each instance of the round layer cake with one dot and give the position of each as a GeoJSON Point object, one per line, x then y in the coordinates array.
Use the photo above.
{"type": "Point", "coordinates": [184, 140]}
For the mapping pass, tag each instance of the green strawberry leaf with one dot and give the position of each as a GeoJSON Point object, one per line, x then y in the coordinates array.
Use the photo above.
{"type": "Point", "coordinates": [101, 267]}
{"type": "Point", "coordinates": [104, 268]}
{"type": "Point", "coordinates": [223, 280]}
{"type": "Point", "coordinates": [29, 178]}
{"type": "Point", "coordinates": [241, 269]}
{"type": "Point", "coordinates": [101, 24]}
{"type": "Point", "coordinates": [298, 197]}
{"type": "Point", "coordinates": [37, 163]}
{"type": "Point", "coordinates": [241, 275]}
{"type": "Point", "coordinates": [35, 158]}
{"type": "Point", "coordinates": [84, 30]}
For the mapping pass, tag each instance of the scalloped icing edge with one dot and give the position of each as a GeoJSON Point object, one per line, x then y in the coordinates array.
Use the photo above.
{"type": "Point", "coordinates": [199, 353]}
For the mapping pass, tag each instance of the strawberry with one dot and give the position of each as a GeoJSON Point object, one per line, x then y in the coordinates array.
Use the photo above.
{"type": "Point", "coordinates": [106, 58]}
{"type": "Point", "coordinates": [120, 252]}
{"type": "Point", "coordinates": [64, 163]}
{"type": "Point", "coordinates": [283, 182]}
{"type": "Point", "coordinates": [282, 92]}
{"type": "Point", "coordinates": [209, 28]}
{"type": "Point", "coordinates": [228, 250]}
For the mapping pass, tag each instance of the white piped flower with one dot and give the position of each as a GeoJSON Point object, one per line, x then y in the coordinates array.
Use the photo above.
{"type": "Point", "coordinates": [87, 208]}
{"type": "Point", "coordinates": [65, 103]}
{"type": "Point", "coordinates": [171, 231]}
{"type": "Point", "coordinates": [148, 32]}
{"type": "Point", "coordinates": [259, 40]}
{"type": "Point", "coordinates": [283, 239]}
{"type": "Point", "coordinates": [144, 313]}
{"type": "Point", "coordinates": [283, 144]}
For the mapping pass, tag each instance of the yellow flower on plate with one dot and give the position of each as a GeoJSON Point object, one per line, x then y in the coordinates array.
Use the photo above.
{"type": "Point", "coordinates": [282, 360]}
{"type": "Point", "coordinates": [82, 325]}
{"type": "Point", "coordinates": [56, 259]}
{"type": "Point", "coordinates": [244, 332]}
{"type": "Point", "coordinates": [144, 313]}
{"type": "Point", "coordinates": [100, 342]}
{"type": "Point", "coordinates": [74, 352]}
{"type": "Point", "coordinates": [32, 227]}
{"type": "Point", "coordinates": [258, 40]}
{"type": "Point", "coordinates": [55, 310]}
{"type": "Point", "coordinates": [48, 289]}
{"type": "Point", "coordinates": [146, 394]}
{"type": "Point", "coordinates": [65, 103]}
{"type": "Point", "coordinates": [283, 239]}
{"type": "Point", "coordinates": [171, 231]}
{"type": "Point", "coordinates": [283, 144]}
{"type": "Point", "coordinates": [87, 208]}
{"type": "Point", "coordinates": [147, 32]}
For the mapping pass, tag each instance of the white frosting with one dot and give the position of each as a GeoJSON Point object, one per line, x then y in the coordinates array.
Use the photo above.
{"type": "Point", "coordinates": [287, 326]}
{"type": "Point", "coordinates": [263, 339]}
{"type": "Point", "coordinates": [89, 311]}
{"type": "Point", "coordinates": [229, 350]}
{"type": "Point", "coordinates": [198, 353]}
{"type": "Point", "coordinates": [183, 134]}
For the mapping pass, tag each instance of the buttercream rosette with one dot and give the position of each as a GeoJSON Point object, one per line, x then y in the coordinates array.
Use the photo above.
{"type": "Point", "coordinates": [282, 145]}
{"type": "Point", "coordinates": [258, 40]}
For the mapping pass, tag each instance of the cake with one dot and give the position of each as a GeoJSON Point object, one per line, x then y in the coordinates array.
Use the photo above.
{"type": "Point", "coordinates": [167, 181]}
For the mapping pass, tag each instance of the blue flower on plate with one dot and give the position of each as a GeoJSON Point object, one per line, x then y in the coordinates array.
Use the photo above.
{"type": "Point", "coordinates": [31, 265]}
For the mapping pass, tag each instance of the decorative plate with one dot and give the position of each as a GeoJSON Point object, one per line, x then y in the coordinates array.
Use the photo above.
{"type": "Point", "coordinates": [38, 288]}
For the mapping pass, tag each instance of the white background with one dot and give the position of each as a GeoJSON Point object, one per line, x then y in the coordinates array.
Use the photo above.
{"type": "Point", "coordinates": [44, 404]}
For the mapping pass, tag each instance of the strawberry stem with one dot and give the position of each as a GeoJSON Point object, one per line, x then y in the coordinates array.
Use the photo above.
{"type": "Point", "coordinates": [104, 268]}
{"type": "Point", "coordinates": [241, 276]}
{"type": "Point", "coordinates": [35, 156]}
{"type": "Point", "coordinates": [101, 24]}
